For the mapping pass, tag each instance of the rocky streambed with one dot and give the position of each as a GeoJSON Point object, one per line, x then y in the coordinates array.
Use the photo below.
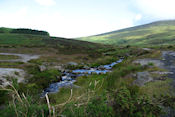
{"type": "Point", "coordinates": [69, 77]}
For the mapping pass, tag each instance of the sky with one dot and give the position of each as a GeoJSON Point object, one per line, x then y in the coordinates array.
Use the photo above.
{"type": "Point", "coordinates": [78, 18]}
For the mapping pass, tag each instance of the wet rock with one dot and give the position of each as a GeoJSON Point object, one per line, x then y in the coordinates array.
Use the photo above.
{"type": "Point", "coordinates": [59, 78]}
{"type": "Point", "coordinates": [101, 67]}
{"type": "Point", "coordinates": [142, 78]}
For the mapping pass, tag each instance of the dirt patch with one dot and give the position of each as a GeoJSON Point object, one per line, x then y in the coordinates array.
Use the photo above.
{"type": "Point", "coordinates": [23, 57]}
{"type": "Point", "coordinates": [7, 74]}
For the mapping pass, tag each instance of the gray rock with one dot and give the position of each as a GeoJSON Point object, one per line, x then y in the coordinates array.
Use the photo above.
{"type": "Point", "coordinates": [146, 49]}
{"type": "Point", "coordinates": [161, 73]}
{"type": "Point", "coordinates": [143, 62]}
{"type": "Point", "coordinates": [86, 67]}
{"type": "Point", "coordinates": [142, 78]}
{"type": "Point", "coordinates": [60, 68]}
{"type": "Point", "coordinates": [73, 63]}
{"type": "Point", "coordinates": [101, 67]}
{"type": "Point", "coordinates": [42, 68]}
{"type": "Point", "coordinates": [7, 74]}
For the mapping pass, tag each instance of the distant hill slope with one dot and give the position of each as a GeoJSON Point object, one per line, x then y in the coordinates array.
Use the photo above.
{"type": "Point", "coordinates": [34, 38]}
{"type": "Point", "coordinates": [157, 33]}
{"type": "Point", "coordinates": [23, 31]}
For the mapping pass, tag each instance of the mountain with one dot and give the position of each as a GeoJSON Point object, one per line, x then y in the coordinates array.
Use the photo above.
{"type": "Point", "coordinates": [155, 33]}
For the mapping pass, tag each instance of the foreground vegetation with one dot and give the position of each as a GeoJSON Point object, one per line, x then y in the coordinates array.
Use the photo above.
{"type": "Point", "coordinates": [111, 94]}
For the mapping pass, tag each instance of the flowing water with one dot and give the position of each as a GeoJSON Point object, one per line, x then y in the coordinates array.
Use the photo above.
{"type": "Point", "coordinates": [68, 78]}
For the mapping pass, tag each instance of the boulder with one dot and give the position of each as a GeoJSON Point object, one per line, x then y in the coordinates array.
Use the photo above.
{"type": "Point", "coordinates": [101, 67]}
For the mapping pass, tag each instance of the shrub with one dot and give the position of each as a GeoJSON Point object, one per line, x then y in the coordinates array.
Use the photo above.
{"type": "Point", "coordinates": [114, 79]}
{"type": "Point", "coordinates": [131, 104]}
{"type": "Point", "coordinates": [43, 79]}
{"type": "Point", "coordinates": [21, 105]}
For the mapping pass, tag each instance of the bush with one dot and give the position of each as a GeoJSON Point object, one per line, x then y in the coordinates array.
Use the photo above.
{"type": "Point", "coordinates": [29, 31]}
{"type": "Point", "coordinates": [131, 104]}
{"type": "Point", "coordinates": [43, 79]}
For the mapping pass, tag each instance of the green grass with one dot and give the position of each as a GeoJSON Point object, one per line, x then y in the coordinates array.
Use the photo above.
{"type": "Point", "coordinates": [8, 57]}
{"type": "Point", "coordinates": [97, 93]}
{"type": "Point", "coordinates": [110, 94]}
{"type": "Point", "coordinates": [10, 64]}
{"type": "Point", "coordinates": [156, 33]}
{"type": "Point", "coordinates": [62, 45]}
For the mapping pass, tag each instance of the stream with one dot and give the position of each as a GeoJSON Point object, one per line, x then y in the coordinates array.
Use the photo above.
{"type": "Point", "coordinates": [69, 77]}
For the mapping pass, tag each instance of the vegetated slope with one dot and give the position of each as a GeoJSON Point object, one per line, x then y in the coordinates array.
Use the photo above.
{"type": "Point", "coordinates": [34, 38]}
{"type": "Point", "coordinates": [157, 33]}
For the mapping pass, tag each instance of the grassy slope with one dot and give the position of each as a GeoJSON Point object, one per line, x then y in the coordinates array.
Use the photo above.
{"type": "Point", "coordinates": [156, 33]}
{"type": "Point", "coordinates": [52, 49]}
{"type": "Point", "coordinates": [8, 39]}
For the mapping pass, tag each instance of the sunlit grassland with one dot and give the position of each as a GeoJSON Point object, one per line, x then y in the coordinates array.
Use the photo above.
{"type": "Point", "coordinates": [8, 57]}
{"type": "Point", "coordinates": [156, 33]}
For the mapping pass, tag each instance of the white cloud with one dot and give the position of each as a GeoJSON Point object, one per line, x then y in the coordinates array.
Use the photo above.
{"type": "Point", "coordinates": [157, 8]}
{"type": "Point", "coordinates": [46, 2]}
{"type": "Point", "coordinates": [60, 24]}
{"type": "Point", "coordinates": [138, 17]}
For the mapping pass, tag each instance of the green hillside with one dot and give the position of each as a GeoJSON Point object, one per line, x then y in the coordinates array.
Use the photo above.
{"type": "Point", "coordinates": [157, 33]}
{"type": "Point", "coordinates": [34, 38]}
{"type": "Point", "coordinates": [23, 31]}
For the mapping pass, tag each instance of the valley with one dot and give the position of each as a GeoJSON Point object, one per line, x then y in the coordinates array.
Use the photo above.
{"type": "Point", "coordinates": [54, 76]}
